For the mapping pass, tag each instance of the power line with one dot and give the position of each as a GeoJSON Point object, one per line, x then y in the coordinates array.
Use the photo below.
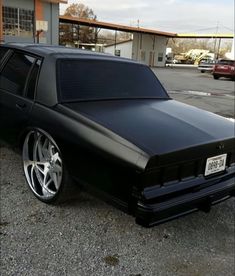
{"type": "Point", "coordinates": [228, 28]}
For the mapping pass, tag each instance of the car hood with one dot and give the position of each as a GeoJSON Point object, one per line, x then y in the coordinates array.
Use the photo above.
{"type": "Point", "coordinates": [157, 126]}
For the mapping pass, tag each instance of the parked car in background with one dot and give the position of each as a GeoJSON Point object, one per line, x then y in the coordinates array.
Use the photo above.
{"type": "Point", "coordinates": [109, 124]}
{"type": "Point", "coordinates": [206, 65]}
{"type": "Point", "coordinates": [224, 68]}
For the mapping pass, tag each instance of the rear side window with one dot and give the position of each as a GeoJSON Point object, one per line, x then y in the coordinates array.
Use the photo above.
{"type": "Point", "coordinates": [33, 80]}
{"type": "Point", "coordinates": [14, 75]}
{"type": "Point", "coordinates": [2, 52]}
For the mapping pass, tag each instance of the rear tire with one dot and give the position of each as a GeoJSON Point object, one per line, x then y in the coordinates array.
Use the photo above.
{"type": "Point", "coordinates": [202, 71]}
{"type": "Point", "coordinates": [44, 169]}
{"type": "Point", "coordinates": [216, 77]}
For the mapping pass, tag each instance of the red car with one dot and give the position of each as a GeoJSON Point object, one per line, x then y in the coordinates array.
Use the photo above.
{"type": "Point", "coordinates": [224, 68]}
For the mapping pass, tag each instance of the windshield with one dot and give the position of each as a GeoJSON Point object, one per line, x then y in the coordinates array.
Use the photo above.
{"type": "Point", "coordinates": [89, 79]}
{"type": "Point", "coordinates": [207, 61]}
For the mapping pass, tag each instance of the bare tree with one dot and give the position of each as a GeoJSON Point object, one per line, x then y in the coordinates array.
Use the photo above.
{"type": "Point", "coordinates": [108, 37]}
{"type": "Point", "coordinates": [183, 45]}
{"type": "Point", "coordinates": [180, 46]}
{"type": "Point", "coordinates": [73, 33]}
{"type": "Point", "coordinates": [80, 10]}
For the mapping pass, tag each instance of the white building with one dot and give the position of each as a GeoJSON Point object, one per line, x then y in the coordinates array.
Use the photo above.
{"type": "Point", "coordinates": [146, 48]}
{"type": "Point", "coordinates": [122, 49]}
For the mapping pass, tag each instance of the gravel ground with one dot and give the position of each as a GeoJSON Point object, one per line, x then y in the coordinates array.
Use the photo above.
{"type": "Point", "coordinates": [85, 236]}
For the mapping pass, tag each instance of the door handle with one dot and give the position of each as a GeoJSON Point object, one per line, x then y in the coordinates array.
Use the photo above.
{"type": "Point", "coordinates": [21, 106]}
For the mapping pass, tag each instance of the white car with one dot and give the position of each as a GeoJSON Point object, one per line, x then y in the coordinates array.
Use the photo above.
{"type": "Point", "coordinates": [206, 65]}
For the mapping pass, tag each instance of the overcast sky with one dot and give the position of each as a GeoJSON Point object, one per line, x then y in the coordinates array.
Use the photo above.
{"type": "Point", "coordinates": [200, 16]}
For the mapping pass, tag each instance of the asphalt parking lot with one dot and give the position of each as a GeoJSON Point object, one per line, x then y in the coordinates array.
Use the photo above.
{"type": "Point", "coordinates": [85, 236]}
{"type": "Point", "coordinates": [190, 86]}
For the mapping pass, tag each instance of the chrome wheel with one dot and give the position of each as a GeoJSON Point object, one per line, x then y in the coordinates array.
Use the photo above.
{"type": "Point", "coordinates": [42, 163]}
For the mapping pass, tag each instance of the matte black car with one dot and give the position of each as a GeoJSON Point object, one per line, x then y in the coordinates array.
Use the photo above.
{"type": "Point", "coordinates": [108, 123]}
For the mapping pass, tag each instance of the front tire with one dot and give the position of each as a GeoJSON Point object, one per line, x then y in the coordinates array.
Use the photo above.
{"type": "Point", "coordinates": [216, 77]}
{"type": "Point", "coordinates": [44, 169]}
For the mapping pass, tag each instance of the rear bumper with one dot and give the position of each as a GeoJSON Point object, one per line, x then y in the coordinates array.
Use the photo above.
{"type": "Point", "coordinates": [206, 69]}
{"type": "Point", "coordinates": [224, 74]}
{"type": "Point", "coordinates": [152, 214]}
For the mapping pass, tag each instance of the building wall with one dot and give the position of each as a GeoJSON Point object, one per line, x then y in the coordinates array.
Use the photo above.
{"type": "Point", "coordinates": [51, 14]}
{"type": "Point", "coordinates": [124, 48]}
{"type": "Point", "coordinates": [21, 4]}
{"type": "Point", "coordinates": [24, 4]}
{"type": "Point", "coordinates": [43, 11]}
{"type": "Point", "coordinates": [149, 49]}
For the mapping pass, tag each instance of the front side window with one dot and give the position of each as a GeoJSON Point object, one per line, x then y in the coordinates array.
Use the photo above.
{"type": "Point", "coordinates": [160, 57]}
{"type": "Point", "coordinates": [17, 21]}
{"type": "Point", "coordinates": [14, 75]}
{"type": "Point", "coordinates": [103, 79]}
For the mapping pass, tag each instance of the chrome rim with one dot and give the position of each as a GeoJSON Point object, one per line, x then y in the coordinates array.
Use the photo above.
{"type": "Point", "coordinates": [42, 164]}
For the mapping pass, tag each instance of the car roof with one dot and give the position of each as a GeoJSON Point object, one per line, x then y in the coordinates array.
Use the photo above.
{"type": "Point", "coordinates": [61, 51]}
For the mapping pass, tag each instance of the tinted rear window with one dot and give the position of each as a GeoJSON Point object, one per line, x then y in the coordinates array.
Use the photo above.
{"type": "Point", "coordinates": [102, 79]}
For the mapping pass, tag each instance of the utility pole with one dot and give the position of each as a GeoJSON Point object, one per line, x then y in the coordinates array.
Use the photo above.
{"type": "Point", "coordinates": [218, 50]}
{"type": "Point", "coordinates": [115, 43]}
{"type": "Point", "coordinates": [216, 32]}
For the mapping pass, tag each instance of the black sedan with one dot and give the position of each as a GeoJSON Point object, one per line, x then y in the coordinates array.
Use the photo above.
{"type": "Point", "coordinates": [108, 123]}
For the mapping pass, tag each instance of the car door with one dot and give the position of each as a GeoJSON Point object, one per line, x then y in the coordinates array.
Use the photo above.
{"type": "Point", "coordinates": [17, 86]}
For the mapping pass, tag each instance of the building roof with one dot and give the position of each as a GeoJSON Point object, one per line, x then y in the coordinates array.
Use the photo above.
{"type": "Point", "coordinates": [112, 26]}
{"type": "Point", "coordinates": [192, 35]}
{"type": "Point", "coordinates": [56, 1]}
{"type": "Point", "coordinates": [124, 28]}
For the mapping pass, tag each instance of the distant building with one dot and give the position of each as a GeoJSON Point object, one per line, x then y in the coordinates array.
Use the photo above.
{"type": "Point", "coordinates": [30, 21]}
{"type": "Point", "coordinates": [146, 48]}
{"type": "Point", "coordinates": [122, 49]}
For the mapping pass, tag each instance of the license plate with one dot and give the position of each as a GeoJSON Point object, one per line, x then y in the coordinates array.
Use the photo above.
{"type": "Point", "coordinates": [215, 164]}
